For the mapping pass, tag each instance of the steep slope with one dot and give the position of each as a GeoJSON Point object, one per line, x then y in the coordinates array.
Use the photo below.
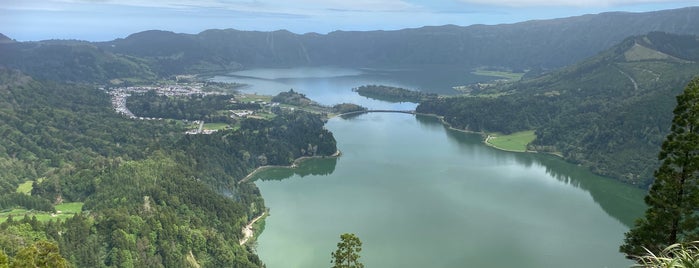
{"type": "Point", "coordinates": [4, 39]}
{"type": "Point", "coordinates": [610, 112]}
{"type": "Point", "coordinates": [73, 61]}
{"type": "Point", "coordinates": [533, 44]}
{"type": "Point", "coordinates": [153, 196]}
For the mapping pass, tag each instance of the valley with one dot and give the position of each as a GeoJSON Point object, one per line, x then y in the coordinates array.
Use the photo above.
{"type": "Point", "coordinates": [529, 144]}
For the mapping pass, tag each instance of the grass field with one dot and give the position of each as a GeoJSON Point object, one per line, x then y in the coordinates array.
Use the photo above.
{"type": "Point", "coordinates": [505, 75]}
{"type": "Point", "coordinates": [516, 142]}
{"type": "Point", "coordinates": [67, 210]}
{"type": "Point", "coordinates": [215, 126]}
{"type": "Point", "coordinates": [25, 188]}
{"type": "Point", "coordinates": [253, 97]}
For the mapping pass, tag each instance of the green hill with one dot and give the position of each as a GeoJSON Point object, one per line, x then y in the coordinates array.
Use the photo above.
{"type": "Point", "coordinates": [610, 112]}
{"type": "Point", "coordinates": [153, 196]}
{"type": "Point", "coordinates": [530, 45]}
{"type": "Point", "coordinates": [71, 61]}
{"type": "Point", "coordinates": [4, 39]}
{"type": "Point", "coordinates": [543, 44]}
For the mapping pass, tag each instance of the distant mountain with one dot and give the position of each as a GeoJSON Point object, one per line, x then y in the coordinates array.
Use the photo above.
{"type": "Point", "coordinates": [610, 112]}
{"type": "Point", "coordinates": [4, 39]}
{"type": "Point", "coordinates": [533, 44]}
{"type": "Point", "coordinates": [69, 60]}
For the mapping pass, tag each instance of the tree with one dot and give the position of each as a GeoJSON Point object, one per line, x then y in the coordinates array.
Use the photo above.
{"type": "Point", "coordinates": [41, 254]}
{"type": "Point", "coordinates": [674, 196]}
{"type": "Point", "coordinates": [347, 253]}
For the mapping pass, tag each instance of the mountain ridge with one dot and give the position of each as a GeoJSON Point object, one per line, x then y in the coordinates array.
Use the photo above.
{"type": "Point", "coordinates": [544, 44]}
{"type": "Point", "coordinates": [606, 113]}
{"type": "Point", "coordinates": [529, 45]}
{"type": "Point", "coordinates": [4, 39]}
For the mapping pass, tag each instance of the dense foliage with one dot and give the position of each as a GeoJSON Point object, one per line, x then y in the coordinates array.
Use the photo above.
{"type": "Point", "coordinates": [292, 97]}
{"type": "Point", "coordinates": [196, 107]}
{"type": "Point", "coordinates": [674, 196]}
{"type": "Point", "coordinates": [393, 94]}
{"type": "Point", "coordinates": [153, 197]}
{"type": "Point", "coordinates": [71, 61]}
{"type": "Point", "coordinates": [534, 44]}
{"type": "Point", "coordinates": [609, 113]}
{"type": "Point", "coordinates": [674, 256]}
{"type": "Point", "coordinates": [347, 108]}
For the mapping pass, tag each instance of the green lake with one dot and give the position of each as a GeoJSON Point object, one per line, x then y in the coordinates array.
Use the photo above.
{"type": "Point", "coordinates": [420, 195]}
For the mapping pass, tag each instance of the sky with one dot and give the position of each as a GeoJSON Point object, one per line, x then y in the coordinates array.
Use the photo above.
{"type": "Point", "coordinates": [103, 20]}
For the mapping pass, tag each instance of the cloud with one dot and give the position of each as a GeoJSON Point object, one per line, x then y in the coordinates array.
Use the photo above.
{"type": "Point", "coordinates": [563, 3]}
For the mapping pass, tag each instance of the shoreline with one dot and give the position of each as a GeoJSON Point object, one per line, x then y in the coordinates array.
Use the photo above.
{"type": "Point", "coordinates": [487, 143]}
{"type": "Point", "coordinates": [248, 231]}
{"type": "Point", "coordinates": [486, 136]}
{"type": "Point", "coordinates": [294, 164]}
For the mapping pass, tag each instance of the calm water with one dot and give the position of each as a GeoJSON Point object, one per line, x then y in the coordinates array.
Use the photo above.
{"type": "Point", "coordinates": [329, 85]}
{"type": "Point", "coordinates": [420, 195]}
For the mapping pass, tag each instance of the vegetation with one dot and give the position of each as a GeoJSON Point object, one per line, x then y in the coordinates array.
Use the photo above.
{"type": "Point", "coordinates": [608, 113]}
{"type": "Point", "coordinates": [344, 108]}
{"type": "Point", "coordinates": [40, 254]}
{"type": "Point", "coordinates": [153, 196]}
{"type": "Point", "coordinates": [674, 196]}
{"type": "Point", "coordinates": [393, 94]}
{"type": "Point", "coordinates": [72, 61]}
{"type": "Point", "coordinates": [674, 256]}
{"type": "Point", "coordinates": [141, 193]}
{"type": "Point", "coordinates": [543, 44]}
{"type": "Point", "coordinates": [292, 97]}
{"type": "Point", "coordinates": [347, 253]}
{"type": "Point", "coordinates": [25, 188]}
{"type": "Point", "coordinates": [516, 142]}
{"type": "Point", "coordinates": [507, 75]}
{"type": "Point", "coordinates": [195, 107]}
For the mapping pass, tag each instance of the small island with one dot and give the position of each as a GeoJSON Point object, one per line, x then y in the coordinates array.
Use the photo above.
{"type": "Point", "coordinates": [393, 94]}
{"type": "Point", "coordinates": [344, 108]}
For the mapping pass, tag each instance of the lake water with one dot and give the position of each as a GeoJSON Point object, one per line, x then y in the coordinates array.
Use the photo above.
{"type": "Point", "coordinates": [420, 195]}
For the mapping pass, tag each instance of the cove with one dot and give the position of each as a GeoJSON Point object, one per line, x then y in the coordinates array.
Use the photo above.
{"type": "Point", "coordinates": [420, 195]}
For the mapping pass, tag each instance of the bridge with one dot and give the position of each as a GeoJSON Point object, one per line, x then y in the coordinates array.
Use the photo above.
{"type": "Point", "coordinates": [379, 111]}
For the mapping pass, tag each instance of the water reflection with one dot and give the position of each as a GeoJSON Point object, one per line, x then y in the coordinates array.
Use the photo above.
{"type": "Point", "coordinates": [618, 200]}
{"type": "Point", "coordinates": [313, 166]}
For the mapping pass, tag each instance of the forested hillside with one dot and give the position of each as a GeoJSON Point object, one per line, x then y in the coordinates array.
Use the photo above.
{"type": "Point", "coordinates": [153, 197]}
{"type": "Point", "coordinates": [531, 45]}
{"type": "Point", "coordinates": [610, 112]}
{"type": "Point", "coordinates": [71, 61]}
{"type": "Point", "coordinates": [526, 45]}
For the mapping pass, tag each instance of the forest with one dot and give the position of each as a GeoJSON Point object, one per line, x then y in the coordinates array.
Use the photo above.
{"type": "Point", "coordinates": [393, 94]}
{"type": "Point", "coordinates": [609, 113]}
{"type": "Point", "coordinates": [153, 196]}
{"type": "Point", "coordinates": [197, 107]}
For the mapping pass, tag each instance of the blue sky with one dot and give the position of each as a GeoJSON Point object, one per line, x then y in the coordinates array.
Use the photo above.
{"type": "Point", "coordinates": [99, 20]}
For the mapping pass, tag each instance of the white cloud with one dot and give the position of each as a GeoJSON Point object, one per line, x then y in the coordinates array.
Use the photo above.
{"type": "Point", "coordinates": [570, 3]}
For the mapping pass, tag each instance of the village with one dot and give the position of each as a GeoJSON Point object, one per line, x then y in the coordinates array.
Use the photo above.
{"type": "Point", "coordinates": [120, 95]}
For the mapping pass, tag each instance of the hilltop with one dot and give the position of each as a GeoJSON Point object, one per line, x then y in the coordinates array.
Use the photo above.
{"type": "Point", "coordinates": [543, 44]}
{"type": "Point", "coordinates": [609, 112]}
{"type": "Point", "coordinates": [531, 45]}
{"type": "Point", "coordinates": [4, 39]}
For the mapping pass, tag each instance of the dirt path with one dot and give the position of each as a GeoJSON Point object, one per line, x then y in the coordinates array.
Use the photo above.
{"type": "Point", "coordinates": [248, 231]}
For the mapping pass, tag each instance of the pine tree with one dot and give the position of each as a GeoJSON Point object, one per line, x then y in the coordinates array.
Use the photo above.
{"type": "Point", "coordinates": [673, 198]}
{"type": "Point", "coordinates": [347, 253]}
